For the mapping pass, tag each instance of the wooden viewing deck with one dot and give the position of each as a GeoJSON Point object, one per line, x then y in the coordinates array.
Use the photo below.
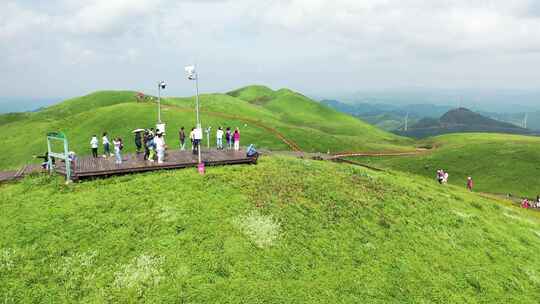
{"type": "Point", "coordinates": [93, 167]}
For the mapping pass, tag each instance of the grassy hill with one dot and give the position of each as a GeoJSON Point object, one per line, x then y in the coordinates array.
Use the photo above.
{"type": "Point", "coordinates": [498, 163]}
{"type": "Point", "coordinates": [317, 232]}
{"type": "Point", "coordinates": [313, 127]}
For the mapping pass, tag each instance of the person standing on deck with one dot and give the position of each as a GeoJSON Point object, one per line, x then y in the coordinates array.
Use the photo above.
{"type": "Point", "coordinates": [182, 137]}
{"type": "Point", "coordinates": [94, 145]}
{"type": "Point", "coordinates": [118, 150]}
{"type": "Point", "coordinates": [236, 137]}
{"type": "Point", "coordinates": [192, 139]}
{"type": "Point", "coordinates": [228, 138]}
{"type": "Point", "coordinates": [45, 163]}
{"type": "Point", "coordinates": [470, 183]}
{"type": "Point", "coordinates": [151, 144]}
{"type": "Point", "coordinates": [219, 138]}
{"type": "Point", "coordinates": [106, 145]}
{"type": "Point", "coordinates": [197, 138]}
{"type": "Point", "coordinates": [138, 142]}
{"type": "Point", "coordinates": [159, 141]}
{"type": "Point", "coordinates": [145, 144]}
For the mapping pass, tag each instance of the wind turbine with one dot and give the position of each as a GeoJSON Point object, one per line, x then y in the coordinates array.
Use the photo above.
{"type": "Point", "coordinates": [407, 122]}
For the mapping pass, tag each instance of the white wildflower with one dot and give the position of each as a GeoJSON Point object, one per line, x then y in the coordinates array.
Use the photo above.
{"type": "Point", "coordinates": [7, 257]}
{"type": "Point", "coordinates": [262, 230]}
{"type": "Point", "coordinates": [144, 271]}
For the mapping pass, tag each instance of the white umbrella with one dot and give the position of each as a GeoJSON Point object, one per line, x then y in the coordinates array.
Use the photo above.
{"type": "Point", "coordinates": [138, 130]}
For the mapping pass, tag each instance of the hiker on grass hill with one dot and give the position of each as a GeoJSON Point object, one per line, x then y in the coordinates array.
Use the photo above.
{"type": "Point", "coordinates": [94, 145]}
{"type": "Point", "coordinates": [182, 137]}
{"type": "Point", "coordinates": [440, 176]}
{"type": "Point", "coordinates": [470, 183]}
{"type": "Point", "coordinates": [236, 137]}
{"type": "Point", "coordinates": [106, 145]}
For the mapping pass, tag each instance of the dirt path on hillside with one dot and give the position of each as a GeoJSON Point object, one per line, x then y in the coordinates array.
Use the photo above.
{"type": "Point", "coordinates": [382, 154]}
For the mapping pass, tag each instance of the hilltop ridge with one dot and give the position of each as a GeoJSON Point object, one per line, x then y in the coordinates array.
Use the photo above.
{"type": "Point", "coordinates": [265, 117]}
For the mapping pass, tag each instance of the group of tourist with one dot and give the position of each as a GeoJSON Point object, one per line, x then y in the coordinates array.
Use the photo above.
{"type": "Point", "coordinates": [153, 143]}
{"type": "Point", "coordinates": [196, 136]}
{"type": "Point", "coordinates": [526, 203]}
{"type": "Point", "coordinates": [117, 144]}
{"type": "Point", "coordinates": [442, 176]}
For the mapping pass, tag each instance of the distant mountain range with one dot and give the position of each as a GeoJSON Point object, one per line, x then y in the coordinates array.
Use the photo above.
{"type": "Point", "coordinates": [386, 116]}
{"type": "Point", "coordinates": [458, 121]}
{"type": "Point", "coordinates": [493, 100]}
{"type": "Point", "coordinates": [392, 117]}
{"type": "Point", "coordinates": [20, 104]}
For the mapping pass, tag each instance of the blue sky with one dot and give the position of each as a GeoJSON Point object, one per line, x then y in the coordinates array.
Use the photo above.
{"type": "Point", "coordinates": [62, 48]}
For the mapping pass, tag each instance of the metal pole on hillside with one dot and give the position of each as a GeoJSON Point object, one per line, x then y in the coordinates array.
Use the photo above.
{"type": "Point", "coordinates": [193, 75]}
{"type": "Point", "coordinates": [161, 86]}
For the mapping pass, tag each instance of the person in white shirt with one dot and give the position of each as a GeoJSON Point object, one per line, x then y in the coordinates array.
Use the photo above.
{"type": "Point", "coordinates": [106, 145]}
{"type": "Point", "coordinates": [197, 137]}
{"type": "Point", "coordinates": [94, 145]}
{"type": "Point", "coordinates": [159, 141]}
{"type": "Point", "coordinates": [118, 145]}
{"type": "Point", "coordinates": [219, 138]}
{"type": "Point", "coordinates": [445, 178]}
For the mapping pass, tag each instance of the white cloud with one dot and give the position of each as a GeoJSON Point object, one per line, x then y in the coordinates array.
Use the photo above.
{"type": "Point", "coordinates": [109, 17]}
{"type": "Point", "coordinates": [316, 43]}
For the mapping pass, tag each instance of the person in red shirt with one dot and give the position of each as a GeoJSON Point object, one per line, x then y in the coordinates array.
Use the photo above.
{"type": "Point", "coordinates": [470, 183]}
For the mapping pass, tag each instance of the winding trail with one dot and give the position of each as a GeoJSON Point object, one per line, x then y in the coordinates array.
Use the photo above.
{"type": "Point", "coordinates": [375, 154]}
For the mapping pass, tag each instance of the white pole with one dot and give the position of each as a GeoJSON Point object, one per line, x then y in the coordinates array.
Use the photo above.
{"type": "Point", "coordinates": [159, 102]}
{"type": "Point", "coordinates": [197, 110]}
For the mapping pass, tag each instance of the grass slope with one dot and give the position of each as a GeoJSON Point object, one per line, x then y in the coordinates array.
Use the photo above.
{"type": "Point", "coordinates": [262, 234]}
{"type": "Point", "coordinates": [118, 112]}
{"type": "Point", "coordinates": [498, 163]}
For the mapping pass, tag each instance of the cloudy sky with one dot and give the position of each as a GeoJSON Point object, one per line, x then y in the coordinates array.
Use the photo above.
{"type": "Point", "coordinates": [71, 47]}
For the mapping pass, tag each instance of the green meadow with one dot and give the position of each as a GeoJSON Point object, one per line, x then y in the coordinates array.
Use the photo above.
{"type": "Point", "coordinates": [283, 231]}
{"type": "Point", "coordinates": [498, 163]}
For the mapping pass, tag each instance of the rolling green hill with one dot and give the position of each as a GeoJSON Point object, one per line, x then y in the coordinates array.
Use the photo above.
{"type": "Point", "coordinates": [498, 163]}
{"type": "Point", "coordinates": [461, 120]}
{"type": "Point", "coordinates": [317, 232]}
{"type": "Point", "coordinates": [312, 127]}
